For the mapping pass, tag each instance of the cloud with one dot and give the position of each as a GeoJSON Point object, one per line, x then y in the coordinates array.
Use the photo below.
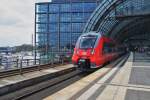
{"type": "Point", "coordinates": [17, 21]}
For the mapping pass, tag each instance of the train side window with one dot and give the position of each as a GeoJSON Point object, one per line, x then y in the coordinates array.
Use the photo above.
{"type": "Point", "coordinates": [106, 48]}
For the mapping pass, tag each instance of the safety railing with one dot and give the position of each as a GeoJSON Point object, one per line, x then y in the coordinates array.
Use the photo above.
{"type": "Point", "coordinates": [27, 63]}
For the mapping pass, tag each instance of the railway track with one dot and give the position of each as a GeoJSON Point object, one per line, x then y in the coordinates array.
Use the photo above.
{"type": "Point", "coordinates": [56, 78]}
{"type": "Point", "coordinates": [53, 83]}
{"type": "Point", "coordinates": [65, 78]}
{"type": "Point", "coordinates": [19, 71]}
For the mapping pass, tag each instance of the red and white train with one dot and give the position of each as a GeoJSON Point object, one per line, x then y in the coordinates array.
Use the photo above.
{"type": "Point", "coordinates": [93, 50]}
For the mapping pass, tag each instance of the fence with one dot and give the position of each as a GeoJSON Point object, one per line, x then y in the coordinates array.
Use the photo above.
{"type": "Point", "coordinates": [26, 63]}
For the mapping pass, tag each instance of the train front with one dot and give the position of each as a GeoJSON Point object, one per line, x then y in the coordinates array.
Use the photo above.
{"type": "Point", "coordinates": [84, 56]}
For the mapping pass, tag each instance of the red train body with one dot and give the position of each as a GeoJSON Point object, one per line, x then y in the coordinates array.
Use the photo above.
{"type": "Point", "coordinates": [93, 51]}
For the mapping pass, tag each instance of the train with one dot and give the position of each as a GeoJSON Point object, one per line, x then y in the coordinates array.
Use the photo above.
{"type": "Point", "coordinates": [93, 50]}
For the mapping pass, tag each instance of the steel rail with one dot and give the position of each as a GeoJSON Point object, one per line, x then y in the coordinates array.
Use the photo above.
{"type": "Point", "coordinates": [19, 71]}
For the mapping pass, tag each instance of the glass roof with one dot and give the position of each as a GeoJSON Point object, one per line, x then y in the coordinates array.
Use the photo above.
{"type": "Point", "coordinates": [113, 16]}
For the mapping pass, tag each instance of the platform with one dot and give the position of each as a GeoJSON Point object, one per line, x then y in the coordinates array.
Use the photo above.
{"type": "Point", "coordinates": [128, 82]}
{"type": "Point", "coordinates": [27, 76]}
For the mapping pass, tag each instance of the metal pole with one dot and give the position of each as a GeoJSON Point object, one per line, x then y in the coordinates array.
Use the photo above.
{"type": "Point", "coordinates": [62, 60]}
{"type": "Point", "coordinates": [39, 65]}
{"type": "Point", "coordinates": [32, 44]}
{"type": "Point", "coordinates": [35, 37]}
{"type": "Point", "coordinates": [71, 29]}
{"type": "Point", "coordinates": [21, 66]}
{"type": "Point", "coordinates": [52, 59]}
{"type": "Point", "coordinates": [59, 30]}
{"type": "Point", "coordinates": [27, 62]}
{"type": "Point", "coordinates": [47, 44]}
{"type": "Point", "coordinates": [17, 63]}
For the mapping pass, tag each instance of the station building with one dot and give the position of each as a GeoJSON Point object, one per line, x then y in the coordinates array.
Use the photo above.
{"type": "Point", "coordinates": [59, 23]}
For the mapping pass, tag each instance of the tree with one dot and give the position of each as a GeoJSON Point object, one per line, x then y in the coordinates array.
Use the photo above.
{"type": "Point", "coordinates": [24, 47]}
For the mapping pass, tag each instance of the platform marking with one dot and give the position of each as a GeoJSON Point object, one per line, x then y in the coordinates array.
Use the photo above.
{"type": "Point", "coordinates": [50, 70]}
{"type": "Point", "coordinates": [1, 85]}
{"type": "Point", "coordinates": [116, 89]}
{"type": "Point", "coordinates": [141, 66]}
{"type": "Point", "coordinates": [9, 81]}
{"type": "Point", "coordinates": [94, 88]}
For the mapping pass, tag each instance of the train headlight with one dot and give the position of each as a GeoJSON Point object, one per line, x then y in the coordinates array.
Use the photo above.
{"type": "Point", "coordinates": [77, 52]}
{"type": "Point", "coordinates": [74, 52]}
{"type": "Point", "coordinates": [92, 52]}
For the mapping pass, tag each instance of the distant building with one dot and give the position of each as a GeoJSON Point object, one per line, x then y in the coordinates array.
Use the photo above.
{"type": "Point", "coordinates": [59, 24]}
{"type": "Point", "coordinates": [6, 50]}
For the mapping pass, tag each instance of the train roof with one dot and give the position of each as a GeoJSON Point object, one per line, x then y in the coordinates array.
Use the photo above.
{"type": "Point", "coordinates": [92, 33]}
{"type": "Point", "coordinates": [99, 34]}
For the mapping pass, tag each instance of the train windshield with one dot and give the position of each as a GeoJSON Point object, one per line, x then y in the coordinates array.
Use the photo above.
{"type": "Point", "coordinates": [88, 41]}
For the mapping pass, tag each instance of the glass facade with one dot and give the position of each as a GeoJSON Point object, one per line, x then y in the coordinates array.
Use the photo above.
{"type": "Point", "coordinates": [59, 24]}
{"type": "Point", "coordinates": [118, 27]}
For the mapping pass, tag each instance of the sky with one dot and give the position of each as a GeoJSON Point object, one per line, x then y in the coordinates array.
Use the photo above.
{"type": "Point", "coordinates": [17, 21]}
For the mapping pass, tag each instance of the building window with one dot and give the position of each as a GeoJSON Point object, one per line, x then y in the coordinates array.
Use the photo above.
{"type": "Point", "coordinates": [65, 17]}
{"type": "Point", "coordinates": [65, 27]}
{"type": "Point", "coordinates": [77, 27]}
{"type": "Point", "coordinates": [53, 27]}
{"type": "Point", "coordinates": [53, 40]}
{"type": "Point", "coordinates": [42, 38]}
{"type": "Point", "coordinates": [53, 8]}
{"type": "Point", "coordinates": [42, 8]}
{"type": "Point", "coordinates": [86, 16]}
{"type": "Point", "coordinates": [65, 40]}
{"type": "Point", "coordinates": [75, 36]}
{"type": "Point", "coordinates": [89, 7]}
{"type": "Point", "coordinates": [65, 7]}
{"type": "Point", "coordinates": [77, 7]}
{"type": "Point", "coordinates": [42, 27]}
{"type": "Point", "coordinates": [78, 17]}
{"type": "Point", "coordinates": [42, 18]}
{"type": "Point", "coordinates": [53, 18]}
